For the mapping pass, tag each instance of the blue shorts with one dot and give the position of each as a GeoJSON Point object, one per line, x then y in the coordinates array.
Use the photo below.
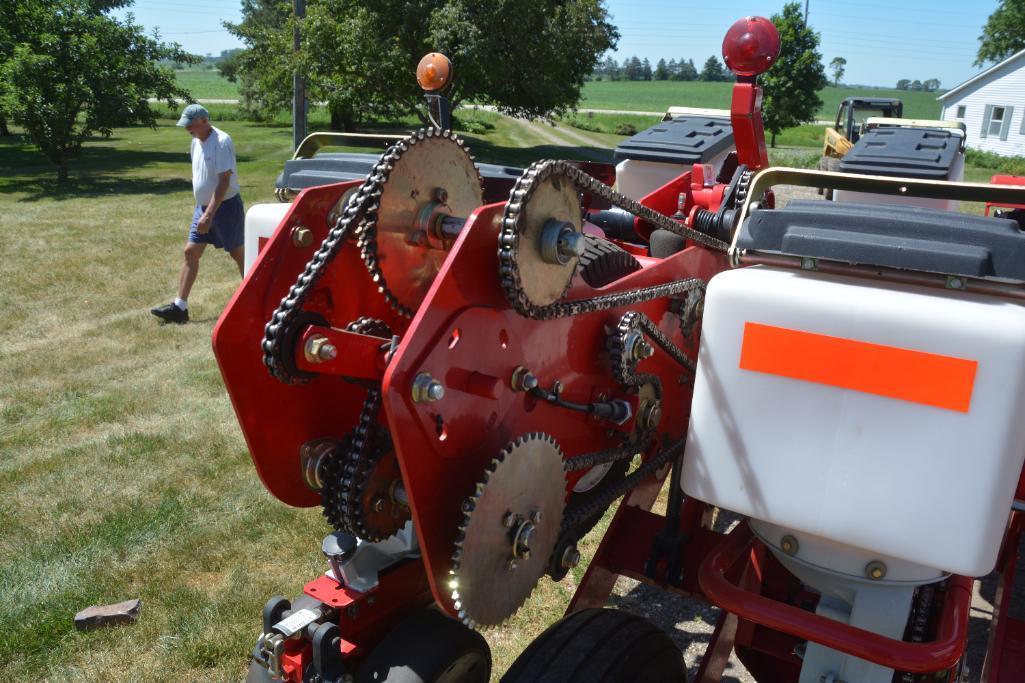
{"type": "Point", "coordinates": [228, 228]}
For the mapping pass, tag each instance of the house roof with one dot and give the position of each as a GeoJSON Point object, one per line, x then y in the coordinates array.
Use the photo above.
{"type": "Point", "coordinates": [977, 77]}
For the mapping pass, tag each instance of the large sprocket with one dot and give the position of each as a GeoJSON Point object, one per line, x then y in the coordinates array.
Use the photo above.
{"type": "Point", "coordinates": [509, 530]}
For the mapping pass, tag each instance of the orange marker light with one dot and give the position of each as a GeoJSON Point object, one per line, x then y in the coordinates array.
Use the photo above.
{"type": "Point", "coordinates": [434, 72]}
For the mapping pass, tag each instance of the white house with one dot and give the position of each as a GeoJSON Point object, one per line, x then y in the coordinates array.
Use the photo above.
{"type": "Point", "coordinates": [992, 107]}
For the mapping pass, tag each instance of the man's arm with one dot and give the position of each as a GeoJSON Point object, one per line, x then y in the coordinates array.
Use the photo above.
{"type": "Point", "coordinates": [206, 220]}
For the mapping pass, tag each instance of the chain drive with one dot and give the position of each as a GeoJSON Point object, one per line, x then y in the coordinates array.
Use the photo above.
{"type": "Point", "coordinates": [358, 220]}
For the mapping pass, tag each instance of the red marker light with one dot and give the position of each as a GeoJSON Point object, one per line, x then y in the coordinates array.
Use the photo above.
{"type": "Point", "coordinates": [751, 46]}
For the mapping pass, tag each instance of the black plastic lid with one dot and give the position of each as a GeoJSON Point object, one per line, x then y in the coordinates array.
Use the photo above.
{"type": "Point", "coordinates": [909, 152]}
{"type": "Point", "coordinates": [905, 237]}
{"type": "Point", "coordinates": [337, 167]}
{"type": "Point", "coordinates": [683, 140]}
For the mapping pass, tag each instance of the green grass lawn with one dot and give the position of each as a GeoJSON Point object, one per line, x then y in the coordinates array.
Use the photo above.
{"type": "Point", "coordinates": [123, 472]}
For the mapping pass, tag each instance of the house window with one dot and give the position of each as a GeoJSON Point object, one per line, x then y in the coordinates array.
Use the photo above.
{"type": "Point", "coordinates": [960, 111]}
{"type": "Point", "coordinates": [996, 121]}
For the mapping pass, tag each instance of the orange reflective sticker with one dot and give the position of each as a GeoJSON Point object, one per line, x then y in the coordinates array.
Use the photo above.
{"type": "Point", "coordinates": [905, 374]}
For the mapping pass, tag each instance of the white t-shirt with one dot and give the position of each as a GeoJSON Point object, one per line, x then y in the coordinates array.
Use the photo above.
{"type": "Point", "coordinates": [213, 156]}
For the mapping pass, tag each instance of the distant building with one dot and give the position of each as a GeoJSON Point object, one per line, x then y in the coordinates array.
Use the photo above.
{"type": "Point", "coordinates": [992, 107]}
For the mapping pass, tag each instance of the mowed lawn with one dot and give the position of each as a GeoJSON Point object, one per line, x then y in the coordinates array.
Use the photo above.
{"type": "Point", "coordinates": [123, 472]}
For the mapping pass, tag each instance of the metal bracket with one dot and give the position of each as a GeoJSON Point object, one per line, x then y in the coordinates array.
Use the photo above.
{"type": "Point", "coordinates": [361, 568]}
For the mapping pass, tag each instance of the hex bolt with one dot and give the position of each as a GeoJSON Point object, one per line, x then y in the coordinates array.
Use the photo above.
{"type": "Point", "coordinates": [875, 570]}
{"type": "Point", "coordinates": [570, 557]}
{"type": "Point", "coordinates": [509, 520]}
{"type": "Point", "coordinates": [426, 389]}
{"type": "Point", "coordinates": [302, 236]}
{"type": "Point", "coordinates": [440, 195]}
{"type": "Point", "coordinates": [523, 379]}
{"type": "Point", "coordinates": [511, 564]}
{"type": "Point", "coordinates": [377, 504]}
{"type": "Point", "coordinates": [789, 545]}
{"type": "Point", "coordinates": [535, 516]}
{"type": "Point", "coordinates": [318, 349]}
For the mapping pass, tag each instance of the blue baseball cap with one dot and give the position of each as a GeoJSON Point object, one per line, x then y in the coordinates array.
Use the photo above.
{"type": "Point", "coordinates": [192, 112]}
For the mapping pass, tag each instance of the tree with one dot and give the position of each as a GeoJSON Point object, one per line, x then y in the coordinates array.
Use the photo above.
{"type": "Point", "coordinates": [668, 71]}
{"type": "Point", "coordinates": [360, 55]}
{"type": "Point", "coordinates": [632, 69]}
{"type": "Point", "coordinates": [916, 85]}
{"type": "Point", "coordinates": [713, 70]}
{"type": "Point", "coordinates": [903, 84]}
{"type": "Point", "coordinates": [1003, 33]}
{"type": "Point", "coordinates": [75, 71]}
{"type": "Point", "coordinates": [686, 71]}
{"type": "Point", "coordinates": [931, 85]}
{"type": "Point", "coordinates": [837, 66]}
{"type": "Point", "coordinates": [645, 70]}
{"type": "Point", "coordinates": [791, 86]}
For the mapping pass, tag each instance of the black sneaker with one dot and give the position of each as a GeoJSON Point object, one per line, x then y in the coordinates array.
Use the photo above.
{"type": "Point", "coordinates": [170, 313]}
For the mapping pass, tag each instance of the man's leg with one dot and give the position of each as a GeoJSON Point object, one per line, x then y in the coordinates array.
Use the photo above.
{"type": "Point", "coordinates": [239, 254]}
{"type": "Point", "coordinates": [190, 268]}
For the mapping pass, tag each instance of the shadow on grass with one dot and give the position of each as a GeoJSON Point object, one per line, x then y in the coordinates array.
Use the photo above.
{"type": "Point", "coordinates": [36, 189]}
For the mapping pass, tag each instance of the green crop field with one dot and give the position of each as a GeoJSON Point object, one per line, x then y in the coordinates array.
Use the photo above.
{"type": "Point", "coordinates": [660, 95]}
{"type": "Point", "coordinates": [655, 96]}
{"type": "Point", "coordinates": [207, 84]}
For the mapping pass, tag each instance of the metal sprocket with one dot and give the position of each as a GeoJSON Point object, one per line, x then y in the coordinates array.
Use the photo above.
{"type": "Point", "coordinates": [510, 527]}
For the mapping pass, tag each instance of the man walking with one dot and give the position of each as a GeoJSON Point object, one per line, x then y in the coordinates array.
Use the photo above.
{"type": "Point", "coordinates": [219, 218]}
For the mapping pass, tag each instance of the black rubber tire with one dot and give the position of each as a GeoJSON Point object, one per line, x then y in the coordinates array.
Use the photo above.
{"type": "Point", "coordinates": [428, 647]}
{"type": "Point", "coordinates": [600, 646]}
{"type": "Point", "coordinates": [604, 262]}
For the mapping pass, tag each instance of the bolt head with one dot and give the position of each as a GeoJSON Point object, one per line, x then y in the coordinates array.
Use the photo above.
{"type": "Point", "coordinates": [511, 565]}
{"type": "Point", "coordinates": [789, 545]}
{"type": "Point", "coordinates": [509, 520]}
{"type": "Point", "coordinates": [435, 391]}
{"type": "Point", "coordinates": [377, 504]}
{"type": "Point", "coordinates": [441, 195]}
{"type": "Point", "coordinates": [570, 557]}
{"type": "Point", "coordinates": [302, 236]}
{"type": "Point", "coordinates": [536, 516]}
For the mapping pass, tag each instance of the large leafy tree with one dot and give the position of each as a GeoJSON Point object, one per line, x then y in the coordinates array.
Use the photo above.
{"type": "Point", "coordinates": [1004, 32]}
{"type": "Point", "coordinates": [527, 57]}
{"type": "Point", "coordinates": [791, 86]}
{"type": "Point", "coordinates": [75, 71]}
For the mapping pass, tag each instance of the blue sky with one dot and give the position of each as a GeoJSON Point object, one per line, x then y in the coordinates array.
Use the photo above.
{"type": "Point", "coordinates": [882, 41]}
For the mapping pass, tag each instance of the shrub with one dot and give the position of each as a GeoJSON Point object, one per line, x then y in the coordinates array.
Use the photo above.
{"type": "Point", "coordinates": [991, 160]}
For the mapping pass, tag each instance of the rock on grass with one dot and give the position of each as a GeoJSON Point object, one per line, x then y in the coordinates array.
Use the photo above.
{"type": "Point", "coordinates": [99, 616]}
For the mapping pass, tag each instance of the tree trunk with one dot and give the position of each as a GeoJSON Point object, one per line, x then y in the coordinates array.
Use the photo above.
{"type": "Point", "coordinates": [4, 130]}
{"type": "Point", "coordinates": [61, 161]}
{"type": "Point", "coordinates": [342, 118]}
{"type": "Point", "coordinates": [772, 142]}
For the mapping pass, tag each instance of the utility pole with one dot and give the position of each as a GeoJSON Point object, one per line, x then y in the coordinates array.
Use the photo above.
{"type": "Point", "coordinates": [805, 12]}
{"type": "Point", "coordinates": [298, 82]}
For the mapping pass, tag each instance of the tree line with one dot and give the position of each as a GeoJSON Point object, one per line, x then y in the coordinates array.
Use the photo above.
{"type": "Point", "coordinates": [634, 69]}
{"type": "Point", "coordinates": [928, 85]}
